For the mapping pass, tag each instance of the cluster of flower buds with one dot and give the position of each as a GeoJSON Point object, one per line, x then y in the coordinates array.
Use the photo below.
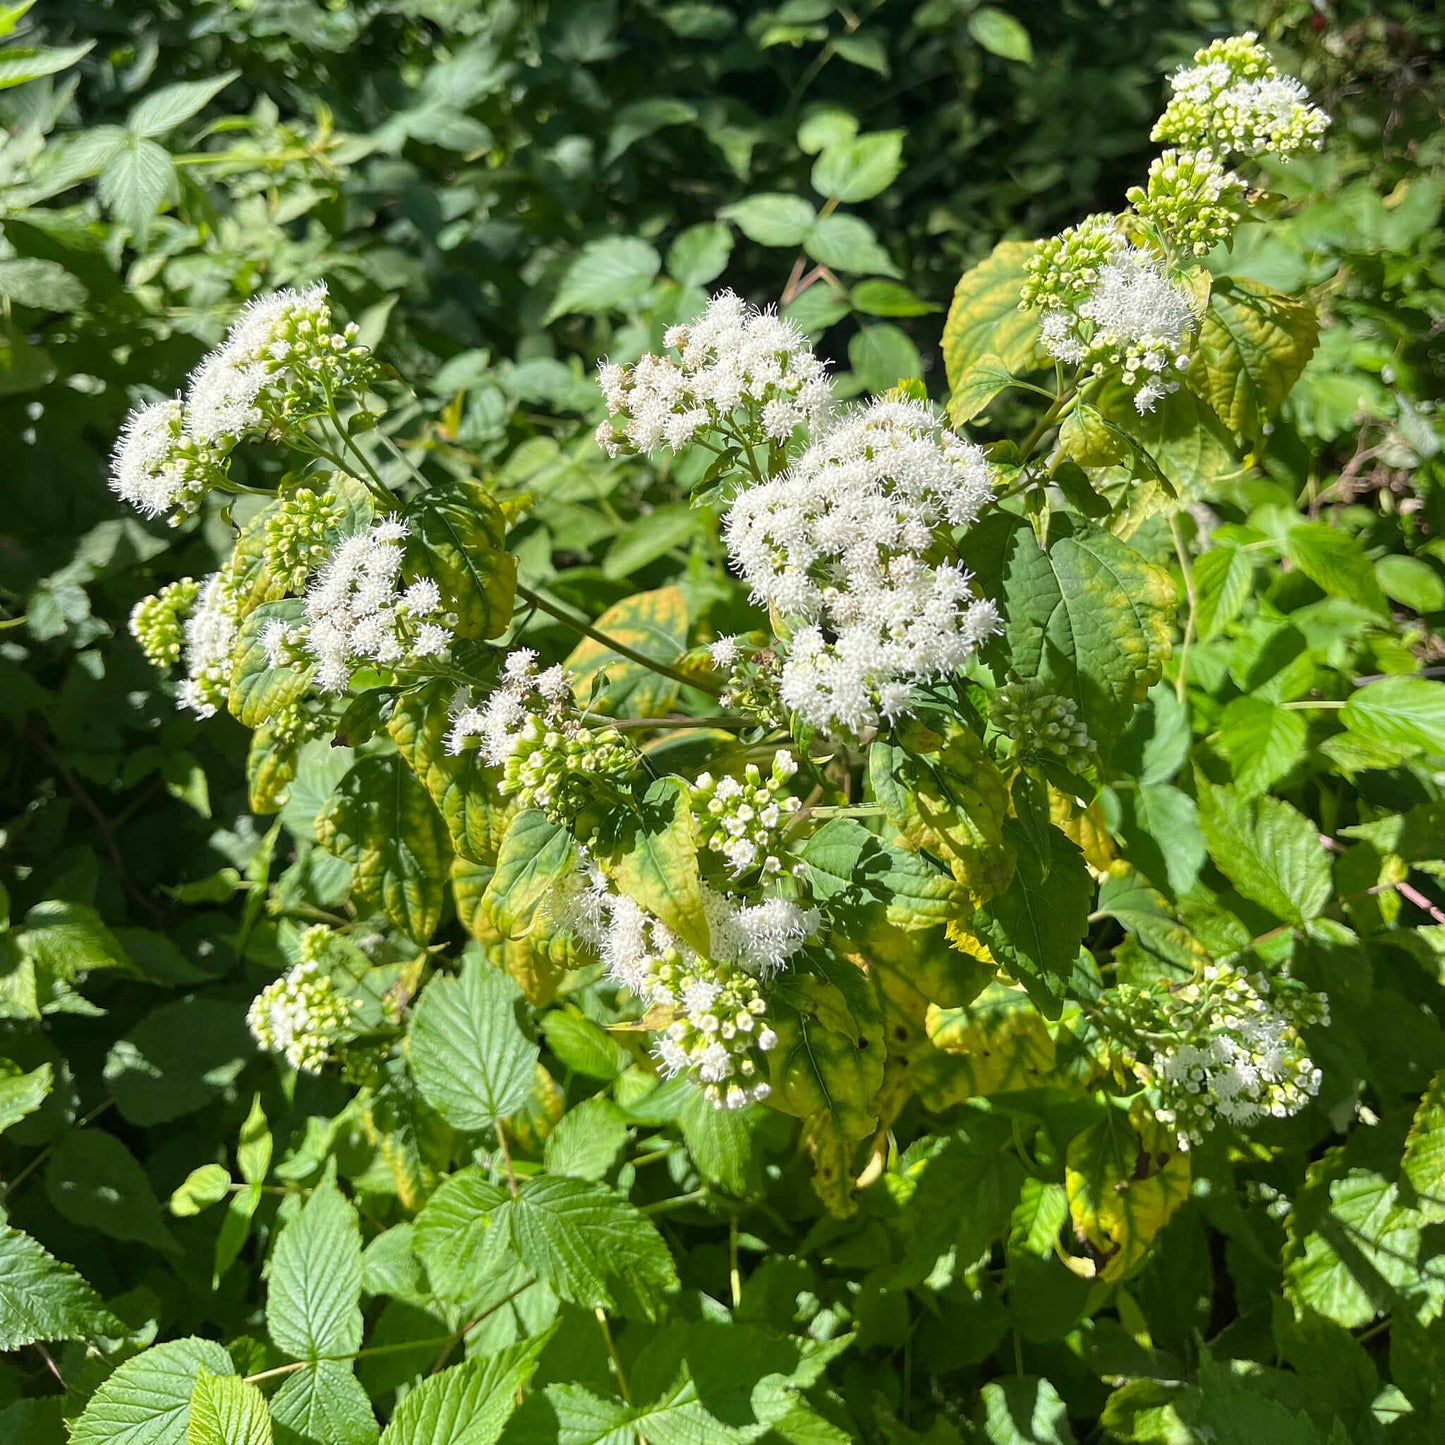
{"type": "Point", "coordinates": [738, 370]}
{"type": "Point", "coordinates": [157, 622]}
{"type": "Point", "coordinates": [746, 819]}
{"type": "Point", "coordinates": [551, 757]}
{"type": "Point", "coordinates": [1237, 1055]}
{"type": "Point", "coordinates": [1191, 199]}
{"type": "Point", "coordinates": [211, 632]}
{"type": "Point", "coordinates": [299, 535]}
{"type": "Point", "coordinates": [302, 1016]}
{"type": "Point", "coordinates": [1041, 723]}
{"type": "Point", "coordinates": [1233, 101]}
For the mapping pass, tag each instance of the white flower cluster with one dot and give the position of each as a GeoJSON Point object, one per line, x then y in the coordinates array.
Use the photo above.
{"type": "Point", "coordinates": [843, 546]}
{"type": "Point", "coordinates": [301, 1016]}
{"type": "Point", "coordinates": [530, 728]}
{"type": "Point", "coordinates": [357, 611]}
{"type": "Point", "coordinates": [718, 1028]}
{"type": "Point", "coordinates": [1110, 306]}
{"type": "Point", "coordinates": [210, 637]}
{"type": "Point", "coordinates": [158, 466]}
{"type": "Point", "coordinates": [1240, 1057]}
{"type": "Point", "coordinates": [731, 357]}
{"type": "Point", "coordinates": [1233, 101]}
{"type": "Point", "coordinates": [281, 359]}
{"type": "Point", "coordinates": [745, 819]}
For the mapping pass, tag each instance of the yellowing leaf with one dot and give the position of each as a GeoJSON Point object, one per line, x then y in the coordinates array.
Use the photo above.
{"type": "Point", "coordinates": [985, 319]}
{"type": "Point", "coordinates": [1123, 1188]}
{"type": "Point", "coordinates": [999, 1042]}
{"type": "Point", "coordinates": [651, 623]}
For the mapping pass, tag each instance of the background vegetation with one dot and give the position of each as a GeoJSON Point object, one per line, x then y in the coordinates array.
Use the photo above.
{"type": "Point", "coordinates": [499, 194]}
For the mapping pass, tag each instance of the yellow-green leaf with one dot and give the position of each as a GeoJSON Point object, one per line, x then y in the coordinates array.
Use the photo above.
{"type": "Point", "coordinates": [271, 763]}
{"type": "Point", "coordinates": [381, 821]}
{"type": "Point", "coordinates": [999, 1043]}
{"type": "Point", "coordinates": [258, 690]}
{"type": "Point", "coordinates": [1253, 344]}
{"type": "Point", "coordinates": [985, 320]}
{"type": "Point", "coordinates": [977, 387]}
{"type": "Point", "coordinates": [651, 623]}
{"type": "Point", "coordinates": [458, 538]}
{"type": "Point", "coordinates": [945, 796]}
{"type": "Point", "coordinates": [1122, 1188]}
{"type": "Point", "coordinates": [534, 854]}
{"type": "Point", "coordinates": [653, 858]}
{"type": "Point", "coordinates": [459, 784]}
{"type": "Point", "coordinates": [225, 1410]}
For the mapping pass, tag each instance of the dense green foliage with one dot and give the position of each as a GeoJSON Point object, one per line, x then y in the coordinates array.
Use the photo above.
{"type": "Point", "coordinates": [488, 1205]}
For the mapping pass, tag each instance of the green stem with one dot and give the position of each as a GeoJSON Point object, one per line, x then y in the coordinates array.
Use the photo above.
{"type": "Point", "coordinates": [613, 1355]}
{"type": "Point", "coordinates": [552, 609]}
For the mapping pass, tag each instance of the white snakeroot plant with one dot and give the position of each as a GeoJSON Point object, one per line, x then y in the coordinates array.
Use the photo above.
{"type": "Point", "coordinates": [841, 550]}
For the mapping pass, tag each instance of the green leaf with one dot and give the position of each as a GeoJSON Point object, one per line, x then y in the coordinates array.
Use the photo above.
{"type": "Point", "coordinates": [225, 1410]}
{"type": "Point", "coordinates": [859, 169]}
{"type": "Point", "coordinates": [1253, 344]}
{"type": "Point", "coordinates": [381, 821]}
{"type": "Point", "coordinates": [1020, 1410]}
{"type": "Point", "coordinates": [848, 243]}
{"type": "Point", "coordinates": [1423, 1166]}
{"type": "Point", "coordinates": [147, 1401]}
{"type": "Point", "coordinates": [881, 356]}
{"type": "Point", "coordinates": [323, 1404]}
{"type": "Point", "coordinates": [583, 1046]}
{"type": "Point", "coordinates": [178, 1059]}
{"type": "Point", "coordinates": [43, 1299]}
{"type": "Point", "coordinates": [45, 285]}
{"type": "Point", "coordinates": [1412, 582]}
{"type": "Point", "coordinates": [587, 1140]}
{"type": "Point", "coordinates": [201, 1188]}
{"type": "Point", "coordinates": [772, 219]}
{"type": "Point", "coordinates": [653, 859]}
{"type": "Point", "coordinates": [459, 539]}
{"type": "Point", "coordinates": [590, 1246]}
{"type": "Point", "coordinates": [1336, 562]}
{"type": "Point", "coordinates": [944, 795]}
{"type": "Point", "coordinates": [460, 1236]}
{"type": "Point", "coordinates": [258, 690]}
{"type": "Point", "coordinates": [1263, 741]}
{"type": "Point", "coordinates": [863, 880]}
{"type": "Point", "coordinates": [699, 254]}
{"type": "Point", "coordinates": [651, 623]}
{"type": "Point", "coordinates": [1089, 617]}
{"type": "Point", "coordinates": [1225, 1410]}
{"type": "Point", "coordinates": [472, 1060]}
{"type": "Point", "coordinates": [136, 182]}
{"type": "Point", "coordinates": [984, 318]}
{"type": "Point", "coordinates": [535, 852]}
{"type": "Point", "coordinates": [164, 109]}
{"type": "Point", "coordinates": [976, 387]}
{"type": "Point", "coordinates": [1400, 712]}
{"type": "Point", "coordinates": [18, 65]}
{"type": "Point", "coordinates": [1000, 34]}
{"type": "Point", "coordinates": [1269, 851]}
{"type": "Point", "coordinates": [1035, 928]}
{"type": "Point", "coordinates": [69, 939]}
{"type": "Point", "coordinates": [1222, 580]}
{"type": "Point", "coordinates": [888, 298]}
{"type": "Point", "coordinates": [612, 274]}
{"type": "Point", "coordinates": [313, 1304]}
{"type": "Point", "coordinates": [1352, 1247]}
{"type": "Point", "coordinates": [22, 1093]}
{"type": "Point", "coordinates": [468, 1404]}
{"type": "Point", "coordinates": [459, 784]}
{"type": "Point", "coordinates": [650, 537]}
{"type": "Point", "coordinates": [95, 1181]}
